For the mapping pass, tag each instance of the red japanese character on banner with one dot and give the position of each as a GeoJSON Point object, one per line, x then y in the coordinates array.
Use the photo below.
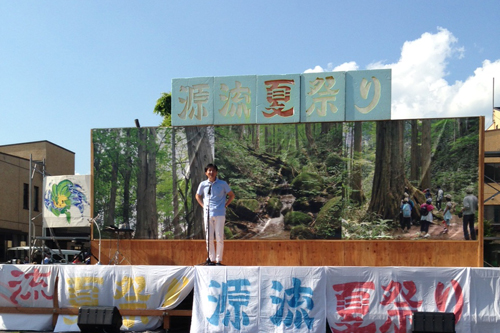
{"type": "Point", "coordinates": [441, 296]}
{"type": "Point", "coordinates": [278, 94]}
{"type": "Point", "coordinates": [37, 285]}
{"type": "Point", "coordinates": [353, 303]}
{"type": "Point", "coordinates": [399, 297]}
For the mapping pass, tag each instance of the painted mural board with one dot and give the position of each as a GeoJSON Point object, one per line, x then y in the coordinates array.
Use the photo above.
{"type": "Point", "coordinates": [66, 201]}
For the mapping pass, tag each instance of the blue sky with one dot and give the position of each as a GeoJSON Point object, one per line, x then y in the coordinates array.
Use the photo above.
{"type": "Point", "coordinates": [67, 67]}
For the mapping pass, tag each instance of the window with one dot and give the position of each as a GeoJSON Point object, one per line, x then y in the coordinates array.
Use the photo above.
{"type": "Point", "coordinates": [492, 173]}
{"type": "Point", "coordinates": [26, 196]}
{"type": "Point", "coordinates": [492, 213]}
{"type": "Point", "coordinates": [36, 207]}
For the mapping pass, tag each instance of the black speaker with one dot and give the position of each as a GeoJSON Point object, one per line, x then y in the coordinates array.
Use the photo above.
{"type": "Point", "coordinates": [99, 319]}
{"type": "Point", "coordinates": [433, 322]}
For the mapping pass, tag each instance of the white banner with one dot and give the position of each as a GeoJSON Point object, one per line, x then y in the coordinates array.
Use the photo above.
{"type": "Point", "coordinates": [292, 299]}
{"type": "Point", "coordinates": [66, 201]}
{"type": "Point", "coordinates": [484, 299]}
{"type": "Point", "coordinates": [27, 286]}
{"type": "Point", "coordinates": [226, 299]}
{"type": "Point", "coordinates": [383, 299]}
{"type": "Point", "coordinates": [253, 299]}
{"type": "Point", "coordinates": [257, 299]}
{"type": "Point", "coordinates": [126, 287]}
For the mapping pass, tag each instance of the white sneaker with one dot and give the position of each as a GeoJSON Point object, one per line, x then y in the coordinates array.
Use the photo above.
{"type": "Point", "coordinates": [427, 236]}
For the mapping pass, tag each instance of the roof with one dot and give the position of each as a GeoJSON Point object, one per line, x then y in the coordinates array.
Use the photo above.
{"type": "Point", "coordinates": [34, 142]}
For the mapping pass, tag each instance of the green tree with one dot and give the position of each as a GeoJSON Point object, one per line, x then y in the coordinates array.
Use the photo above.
{"type": "Point", "coordinates": [163, 108]}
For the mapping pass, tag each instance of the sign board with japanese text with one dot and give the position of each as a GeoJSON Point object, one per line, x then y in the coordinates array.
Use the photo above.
{"type": "Point", "coordinates": [323, 97]}
{"type": "Point", "coordinates": [235, 99]}
{"type": "Point", "coordinates": [278, 99]}
{"type": "Point", "coordinates": [195, 102]}
{"type": "Point", "coordinates": [368, 95]}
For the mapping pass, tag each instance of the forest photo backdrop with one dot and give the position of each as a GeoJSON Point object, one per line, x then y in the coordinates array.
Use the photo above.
{"type": "Point", "coordinates": [292, 181]}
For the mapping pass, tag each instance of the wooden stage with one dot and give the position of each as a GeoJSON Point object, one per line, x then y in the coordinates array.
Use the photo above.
{"type": "Point", "coordinates": [419, 253]}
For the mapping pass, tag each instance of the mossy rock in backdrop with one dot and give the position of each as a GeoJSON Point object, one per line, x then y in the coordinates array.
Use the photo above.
{"type": "Point", "coordinates": [307, 184]}
{"type": "Point", "coordinates": [312, 205]}
{"type": "Point", "coordinates": [274, 206]}
{"type": "Point", "coordinates": [301, 232]}
{"type": "Point", "coordinates": [243, 210]}
{"type": "Point", "coordinates": [293, 219]}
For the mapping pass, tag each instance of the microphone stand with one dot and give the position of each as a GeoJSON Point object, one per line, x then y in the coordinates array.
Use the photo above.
{"type": "Point", "coordinates": [208, 262]}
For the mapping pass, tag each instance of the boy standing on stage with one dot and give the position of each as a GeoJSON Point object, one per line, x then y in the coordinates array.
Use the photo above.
{"type": "Point", "coordinates": [214, 195]}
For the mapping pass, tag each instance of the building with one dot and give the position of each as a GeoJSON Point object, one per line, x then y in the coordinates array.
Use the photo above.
{"type": "Point", "coordinates": [21, 165]}
{"type": "Point", "coordinates": [492, 170]}
{"type": "Point", "coordinates": [492, 190]}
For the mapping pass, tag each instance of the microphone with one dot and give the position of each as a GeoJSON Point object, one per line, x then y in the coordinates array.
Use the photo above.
{"type": "Point", "coordinates": [210, 190]}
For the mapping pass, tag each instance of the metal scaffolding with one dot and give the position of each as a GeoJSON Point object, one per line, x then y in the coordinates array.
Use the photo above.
{"type": "Point", "coordinates": [35, 167]}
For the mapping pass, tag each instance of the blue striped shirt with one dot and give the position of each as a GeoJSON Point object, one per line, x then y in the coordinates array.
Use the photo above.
{"type": "Point", "coordinates": [216, 200]}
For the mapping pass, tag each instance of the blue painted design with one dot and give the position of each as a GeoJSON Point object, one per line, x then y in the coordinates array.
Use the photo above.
{"type": "Point", "coordinates": [231, 298]}
{"type": "Point", "coordinates": [63, 196]}
{"type": "Point", "coordinates": [298, 303]}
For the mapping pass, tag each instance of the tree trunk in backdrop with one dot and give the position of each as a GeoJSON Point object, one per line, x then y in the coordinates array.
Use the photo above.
{"type": "Point", "coordinates": [200, 154]}
{"type": "Point", "coordinates": [357, 195]}
{"type": "Point", "coordinates": [147, 219]}
{"type": "Point", "coordinates": [388, 180]}
{"type": "Point", "coordinates": [426, 152]}
{"type": "Point", "coordinates": [415, 154]}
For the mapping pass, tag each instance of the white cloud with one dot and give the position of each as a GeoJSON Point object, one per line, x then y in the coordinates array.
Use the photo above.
{"type": "Point", "coordinates": [346, 66]}
{"type": "Point", "coordinates": [317, 69]}
{"type": "Point", "coordinates": [419, 88]}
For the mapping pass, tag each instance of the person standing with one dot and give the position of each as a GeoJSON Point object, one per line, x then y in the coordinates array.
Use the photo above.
{"type": "Point", "coordinates": [406, 210]}
{"type": "Point", "coordinates": [214, 195]}
{"type": "Point", "coordinates": [427, 193]}
{"type": "Point", "coordinates": [447, 214]}
{"type": "Point", "coordinates": [426, 218]}
{"type": "Point", "coordinates": [439, 197]}
{"type": "Point", "coordinates": [468, 210]}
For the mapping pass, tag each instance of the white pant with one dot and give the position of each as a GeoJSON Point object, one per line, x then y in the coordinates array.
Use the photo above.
{"type": "Point", "coordinates": [216, 226]}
